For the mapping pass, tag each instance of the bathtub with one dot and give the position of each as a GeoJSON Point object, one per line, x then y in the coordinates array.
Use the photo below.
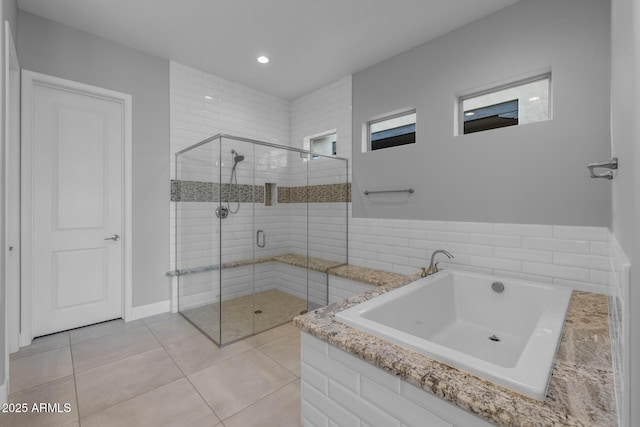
{"type": "Point", "coordinates": [509, 338]}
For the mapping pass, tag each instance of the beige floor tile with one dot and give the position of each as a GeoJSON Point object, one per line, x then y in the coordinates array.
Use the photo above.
{"type": "Point", "coordinates": [279, 409]}
{"type": "Point", "coordinates": [272, 334]}
{"type": "Point", "coordinates": [40, 368]}
{"type": "Point", "coordinates": [199, 352]}
{"type": "Point", "coordinates": [60, 392]}
{"type": "Point", "coordinates": [236, 383]}
{"type": "Point", "coordinates": [173, 330]}
{"type": "Point", "coordinates": [100, 351]}
{"type": "Point", "coordinates": [42, 344]}
{"type": "Point", "coordinates": [110, 384]}
{"type": "Point", "coordinates": [160, 318]}
{"type": "Point", "coordinates": [176, 404]}
{"type": "Point", "coordinates": [101, 330]}
{"type": "Point", "coordinates": [285, 351]}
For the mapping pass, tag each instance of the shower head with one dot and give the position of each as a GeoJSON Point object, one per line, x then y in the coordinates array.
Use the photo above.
{"type": "Point", "coordinates": [237, 158]}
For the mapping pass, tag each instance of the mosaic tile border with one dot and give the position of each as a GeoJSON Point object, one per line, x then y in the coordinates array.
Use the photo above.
{"type": "Point", "coordinates": [325, 193]}
{"type": "Point", "coordinates": [196, 191]}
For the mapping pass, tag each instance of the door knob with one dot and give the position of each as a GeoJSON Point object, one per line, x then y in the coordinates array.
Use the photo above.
{"type": "Point", "coordinates": [115, 238]}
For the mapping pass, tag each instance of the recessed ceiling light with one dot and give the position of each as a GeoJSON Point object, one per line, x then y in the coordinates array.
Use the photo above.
{"type": "Point", "coordinates": [263, 59]}
{"type": "Point", "coordinates": [208, 97]}
{"type": "Point", "coordinates": [469, 113]}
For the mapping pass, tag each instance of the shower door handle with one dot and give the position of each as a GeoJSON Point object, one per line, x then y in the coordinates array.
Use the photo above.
{"type": "Point", "coordinates": [259, 243]}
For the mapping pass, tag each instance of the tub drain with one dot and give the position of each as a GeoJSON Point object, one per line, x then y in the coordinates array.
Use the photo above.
{"type": "Point", "coordinates": [494, 338]}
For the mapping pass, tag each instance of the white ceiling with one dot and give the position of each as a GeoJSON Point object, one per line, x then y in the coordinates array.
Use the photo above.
{"type": "Point", "coordinates": [310, 42]}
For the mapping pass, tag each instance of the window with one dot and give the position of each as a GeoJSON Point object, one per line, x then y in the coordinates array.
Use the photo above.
{"type": "Point", "coordinates": [324, 144]}
{"type": "Point", "coordinates": [392, 131]}
{"type": "Point", "coordinates": [525, 101]}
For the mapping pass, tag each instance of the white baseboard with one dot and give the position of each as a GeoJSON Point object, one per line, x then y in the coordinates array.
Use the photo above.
{"type": "Point", "coordinates": [4, 391]}
{"type": "Point", "coordinates": [150, 310]}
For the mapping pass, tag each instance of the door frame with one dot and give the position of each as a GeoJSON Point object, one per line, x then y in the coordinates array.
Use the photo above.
{"type": "Point", "coordinates": [29, 80]}
{"type": "Point", "coordinates": [12, 187]}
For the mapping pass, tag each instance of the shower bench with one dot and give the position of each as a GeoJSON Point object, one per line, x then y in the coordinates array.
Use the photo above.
{"type": "Point", "coordinates": [344, 280]}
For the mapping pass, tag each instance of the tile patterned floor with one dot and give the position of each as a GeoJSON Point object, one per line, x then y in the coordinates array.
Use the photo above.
{"type": "Point", "coordinates": [239, 319]}
{"type": "Point", "coordinates": [158, 371]}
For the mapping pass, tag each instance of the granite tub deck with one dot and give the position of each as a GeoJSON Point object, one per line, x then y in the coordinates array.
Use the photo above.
{"type": "Point", "coordinates": [581, 389]}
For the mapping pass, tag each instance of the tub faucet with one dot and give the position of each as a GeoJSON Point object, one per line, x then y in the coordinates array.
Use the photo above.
{"type": "Point", "coordinates": [433, 268]}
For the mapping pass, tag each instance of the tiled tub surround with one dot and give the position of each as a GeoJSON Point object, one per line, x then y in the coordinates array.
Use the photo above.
{"type": "Point", "coordinates": [580, 393]}
{"type": "Point", "coordinates": [509, 337]}
{"type": "Point", "coordinates": [569, 256]}
{"type": "Point", "coordinates": [619, 327]}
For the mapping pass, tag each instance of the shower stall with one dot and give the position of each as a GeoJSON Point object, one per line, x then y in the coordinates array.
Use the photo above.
{"type": "Point", "coordinates": [257, 227]}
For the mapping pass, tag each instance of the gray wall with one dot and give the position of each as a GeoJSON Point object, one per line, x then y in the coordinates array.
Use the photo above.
{"type": "Point", "coordinates": [50, 48]}
{"type": "Point", "coordinates": [625, 133]}
{"type": "Point", "coordinates": [533, 173]}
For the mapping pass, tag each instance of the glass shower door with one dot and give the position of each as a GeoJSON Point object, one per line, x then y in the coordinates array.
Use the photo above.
{"type": "Point", "coordinates": [327, 201]}
{"type": "Point", "coordinates": [280, 237]}
{"type": "Point", "coordinates": [237, 238]}
{"type": "Point", "coordinates": [196, 194]}
{"type": "Point", "coordinates": [257, 227]}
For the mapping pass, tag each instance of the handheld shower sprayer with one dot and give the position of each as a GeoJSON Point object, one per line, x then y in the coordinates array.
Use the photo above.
{"type": "Point", "coordinates": [237, 158]}
{"type": "Point", "coordinates": [233, 182]}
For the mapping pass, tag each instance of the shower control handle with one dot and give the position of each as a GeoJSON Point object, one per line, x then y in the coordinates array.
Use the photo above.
{"type": "Point", "coordinates": [261, 243]}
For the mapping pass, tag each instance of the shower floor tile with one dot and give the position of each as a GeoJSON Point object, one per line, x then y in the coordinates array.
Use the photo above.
{"type": "Point", "coordinates": [246, 315]}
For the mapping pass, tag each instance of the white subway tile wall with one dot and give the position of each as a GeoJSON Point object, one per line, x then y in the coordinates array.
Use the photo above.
{"type": "Point", "coordinates": [341, 289]}
{"type": "Point", "coordinates": [324, 109]}
{"type": "Point", "coordinates": [340, 389]}
{"type": "Point", "coordinates": [228, 108]}
{"type": "Point", "coordinates": [572, 257]}
{"type": "Point", "coordinates": [619, 325]}
{"type": "Point", "coordinates": [203, 105]}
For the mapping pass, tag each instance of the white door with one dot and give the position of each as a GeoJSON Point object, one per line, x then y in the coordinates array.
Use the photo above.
{"type": "Point", "coordinates": [77, 208]}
